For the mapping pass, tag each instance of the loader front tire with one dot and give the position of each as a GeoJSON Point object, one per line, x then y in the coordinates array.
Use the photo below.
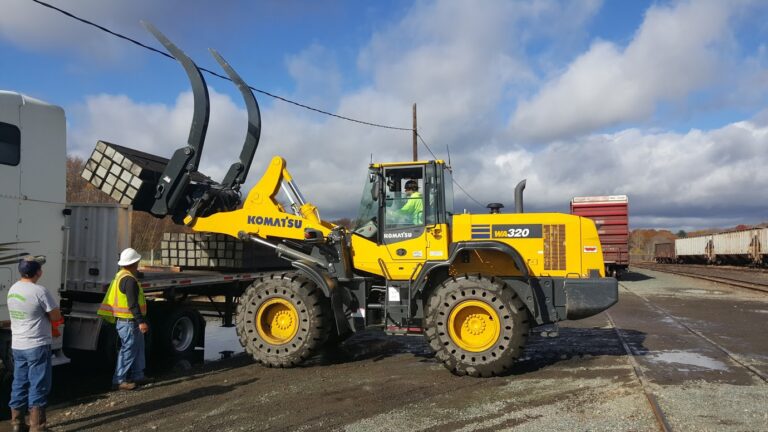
{"type": "Point", "coordinates": [477, 325]}
{"type": "Point", "coordinates": [282, 319]}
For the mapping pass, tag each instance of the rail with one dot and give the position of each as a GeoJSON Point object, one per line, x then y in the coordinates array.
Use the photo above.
{"type": "Point", "coordinates": [752, 279]}
{"type": "Point", "coordinates": [658, 413]}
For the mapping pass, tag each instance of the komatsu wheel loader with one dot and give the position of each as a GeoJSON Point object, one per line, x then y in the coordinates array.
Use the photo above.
{"type": "Point", "coordinates": [473, 284]}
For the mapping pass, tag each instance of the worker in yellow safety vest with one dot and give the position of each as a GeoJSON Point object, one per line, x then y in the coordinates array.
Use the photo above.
{"type": "Point", "coordinates": [125, 305]}
{"type": "Point", "coordinates": [414, 203]}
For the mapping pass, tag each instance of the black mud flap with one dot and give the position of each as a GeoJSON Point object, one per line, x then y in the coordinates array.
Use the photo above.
{"type": "Point", "coordinates": [587, 297]}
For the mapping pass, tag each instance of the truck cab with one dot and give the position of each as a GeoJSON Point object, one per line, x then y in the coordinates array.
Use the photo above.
{"type": "Point", "coordinates": [32, 195]}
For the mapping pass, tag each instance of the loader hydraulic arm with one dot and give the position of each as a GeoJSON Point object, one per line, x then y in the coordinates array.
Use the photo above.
{"type": "Point", "coordinates": [262, 215]}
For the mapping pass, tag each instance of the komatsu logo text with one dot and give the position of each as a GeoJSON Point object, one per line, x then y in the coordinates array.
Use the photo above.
{"type": "Point", "coordinates": [276, 222]}
{"type": "Point", "coordinates": [399, 235]}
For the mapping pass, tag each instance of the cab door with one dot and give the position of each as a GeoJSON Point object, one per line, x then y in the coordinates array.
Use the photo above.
{"type": "Point", "coordinates": [403, 233]}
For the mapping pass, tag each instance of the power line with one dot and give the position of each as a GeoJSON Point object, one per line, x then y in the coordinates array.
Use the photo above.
{"type": "Point", "coordinates": [157, 51]}
{"type": "Point", "coordinates": [454, 180]}
{"type": "Point", "coordinates": [425, 145]}
{"type": "Point", "coordinates": [467, 193]}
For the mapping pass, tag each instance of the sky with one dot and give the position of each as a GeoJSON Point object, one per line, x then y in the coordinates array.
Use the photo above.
{"type": "Point", "coordinates": [664, 101]}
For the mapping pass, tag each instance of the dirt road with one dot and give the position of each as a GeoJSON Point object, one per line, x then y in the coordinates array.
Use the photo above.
{"type": "Point", "coordinates": [581, 380]}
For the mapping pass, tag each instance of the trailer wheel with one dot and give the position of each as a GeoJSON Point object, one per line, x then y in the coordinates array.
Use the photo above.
{"type": "Point", "coordinates": [181, 331]}
{"type": "Point", "coordinates": [282, 319]}
{"type": "Point", "coordinates": [477, 325]}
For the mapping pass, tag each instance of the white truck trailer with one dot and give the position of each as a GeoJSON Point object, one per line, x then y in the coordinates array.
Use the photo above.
{"type": "Point", "coordinates": [81, 243]}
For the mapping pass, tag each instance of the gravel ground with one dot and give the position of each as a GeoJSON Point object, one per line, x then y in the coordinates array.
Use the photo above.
{"type": "Point", "coordinates": [581, 380]}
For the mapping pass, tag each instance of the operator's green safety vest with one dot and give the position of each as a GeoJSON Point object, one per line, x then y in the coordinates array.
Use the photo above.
{"type": "Point", "coordinates": [414, 206]}
{"type": "Point", "coordinates": [115, 303]}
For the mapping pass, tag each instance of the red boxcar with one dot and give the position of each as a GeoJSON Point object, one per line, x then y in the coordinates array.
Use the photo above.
{"type": "Point", "coordinates": [611, 216]}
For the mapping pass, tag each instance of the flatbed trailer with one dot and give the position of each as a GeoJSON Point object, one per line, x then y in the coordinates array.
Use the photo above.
{"type": "Point", "coordinates": [96, 233]}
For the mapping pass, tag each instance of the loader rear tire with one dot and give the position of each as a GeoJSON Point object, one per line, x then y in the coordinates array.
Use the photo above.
{"type": "Point", "coordinates": [477, 325]}
{"type": "Point", "coordinates": [282, 319]}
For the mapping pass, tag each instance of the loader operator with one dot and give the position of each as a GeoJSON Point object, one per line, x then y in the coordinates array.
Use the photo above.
{"type": "Point", "coordinates": [35, 315]}
{"type": "Point", "coordinates": [125, 305]}
{"type": "Point", "coordinates": [414, 204]}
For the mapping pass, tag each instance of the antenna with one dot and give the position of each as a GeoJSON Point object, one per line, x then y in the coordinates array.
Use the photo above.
{"type": "Point", "coordinates": [448, 150]}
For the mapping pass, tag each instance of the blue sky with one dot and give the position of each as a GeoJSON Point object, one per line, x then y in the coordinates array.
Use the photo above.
{"type": "Point", "coordinates": [661, 100]}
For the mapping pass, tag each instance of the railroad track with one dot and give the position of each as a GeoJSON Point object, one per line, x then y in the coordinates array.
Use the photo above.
{"type": "Point", "coordinates": [658, 412]}
{"type": "Point", "coordinates": [753, 279]}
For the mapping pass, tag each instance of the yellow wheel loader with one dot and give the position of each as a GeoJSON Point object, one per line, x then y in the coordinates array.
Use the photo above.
{"type": "Point", "coordinates": [473, 284]}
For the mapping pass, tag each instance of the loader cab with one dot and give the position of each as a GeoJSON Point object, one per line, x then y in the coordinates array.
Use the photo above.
{"type": "Point", "coordinates": [404, 205]}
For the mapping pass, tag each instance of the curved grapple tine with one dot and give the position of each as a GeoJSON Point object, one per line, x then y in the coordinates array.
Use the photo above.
{"type": "Point", "coordinates": [172, 184]}
{"type": "Point", "coordinates": [239, 170]}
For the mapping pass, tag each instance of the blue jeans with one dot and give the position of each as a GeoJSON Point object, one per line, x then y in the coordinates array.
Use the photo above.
{"type": "Point", "coordinates": [31, 377]}
{"type": "Point", "coordinates": [130, 359]}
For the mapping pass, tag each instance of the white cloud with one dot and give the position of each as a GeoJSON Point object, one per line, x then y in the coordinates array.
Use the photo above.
{"type": "Point", "coordinates": [159, 129]}
{"type": "Point", "coordinates": [670, 177]}
{"type": "Point", "coordinates": [677, 50]}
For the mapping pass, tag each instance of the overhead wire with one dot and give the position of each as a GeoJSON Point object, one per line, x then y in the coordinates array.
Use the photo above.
{"type": "Point", "coordinates": [283, 99]}
{"type": "Point", "coordinates": [157, 51]}
{"type": "Point", "coordinates": [452, 178]}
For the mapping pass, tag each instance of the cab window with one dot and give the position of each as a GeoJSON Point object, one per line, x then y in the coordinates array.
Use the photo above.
{"type": "Point", "coordinates": [404, 197]}
{"type": "Point", "coordinates": [10, 144]}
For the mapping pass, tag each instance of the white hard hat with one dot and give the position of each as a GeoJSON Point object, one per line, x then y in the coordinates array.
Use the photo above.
{"type": "Point", "coordinates": [128, 257]}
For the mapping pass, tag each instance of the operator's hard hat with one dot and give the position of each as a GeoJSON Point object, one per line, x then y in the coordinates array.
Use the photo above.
{"type": "Point", "coordinates": [412, 185]}
{"type": "Point", "coordinates": [128, 257]}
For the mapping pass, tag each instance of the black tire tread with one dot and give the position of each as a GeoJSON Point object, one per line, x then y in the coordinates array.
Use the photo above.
{"type": "Point", "coordinates": [314, 312]}
{"type": "Point", "coordinates": [496, 360]}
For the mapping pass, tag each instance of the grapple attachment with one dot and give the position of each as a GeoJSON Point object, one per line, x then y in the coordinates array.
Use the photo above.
{"type": "Point", "coordinates": [173, 186]}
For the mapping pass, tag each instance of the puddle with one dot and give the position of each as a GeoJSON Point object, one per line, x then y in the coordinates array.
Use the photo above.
{"type": "Point", "coordinates": [701, 291]}
{"type": "Point", "coordinates": [687, 358]}
{"type": "Point", "coordinates": [220, 342]}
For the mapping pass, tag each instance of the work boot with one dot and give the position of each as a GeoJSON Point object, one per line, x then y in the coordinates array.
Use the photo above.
{"type": "Point", "coordinates": [126, 386]}
{"type": "Point", "coordinates": [17, 421]}
{"type": "Point", "coordinates": [37, 420]}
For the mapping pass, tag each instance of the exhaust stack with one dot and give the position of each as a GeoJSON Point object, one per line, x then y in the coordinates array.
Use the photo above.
{"type": "Point", "coordinates": [519, 196]}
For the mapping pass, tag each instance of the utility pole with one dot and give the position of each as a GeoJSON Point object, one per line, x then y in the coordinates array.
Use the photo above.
{"type": "Point", "coordinates": [415, 136]}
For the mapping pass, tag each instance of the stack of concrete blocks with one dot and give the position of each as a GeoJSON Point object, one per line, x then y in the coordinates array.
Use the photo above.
{"type": "Point", "coordinates": [216, 251]}
{"type": "Point", "coordinates": [129, 176]}
{"type": "Point", "coordinates": [111, 171]}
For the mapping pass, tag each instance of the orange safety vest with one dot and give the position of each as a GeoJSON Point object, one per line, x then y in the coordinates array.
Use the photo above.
{"type": "Point", "coordinates": [115, 303]}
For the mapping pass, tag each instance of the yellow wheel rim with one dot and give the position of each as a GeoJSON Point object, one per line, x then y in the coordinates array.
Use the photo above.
{"type": "Point", "coordinates": [474, 326]}
{"type": "Point", "coordinates": [277, 321]}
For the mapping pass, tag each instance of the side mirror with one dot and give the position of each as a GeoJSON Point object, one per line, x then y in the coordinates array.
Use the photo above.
{"type": "Point", "coordinates": [376, 189]}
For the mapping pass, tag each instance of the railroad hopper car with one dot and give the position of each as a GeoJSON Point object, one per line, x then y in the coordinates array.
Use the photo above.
{"type": "Point", "coordinates": [740, 247]}
{"type": "Point", "coordinates": [694, 250]}
{"type": "Point", "coordinates": [745, 247]}
{"type": "Point", "coordinates": [611, 216]}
